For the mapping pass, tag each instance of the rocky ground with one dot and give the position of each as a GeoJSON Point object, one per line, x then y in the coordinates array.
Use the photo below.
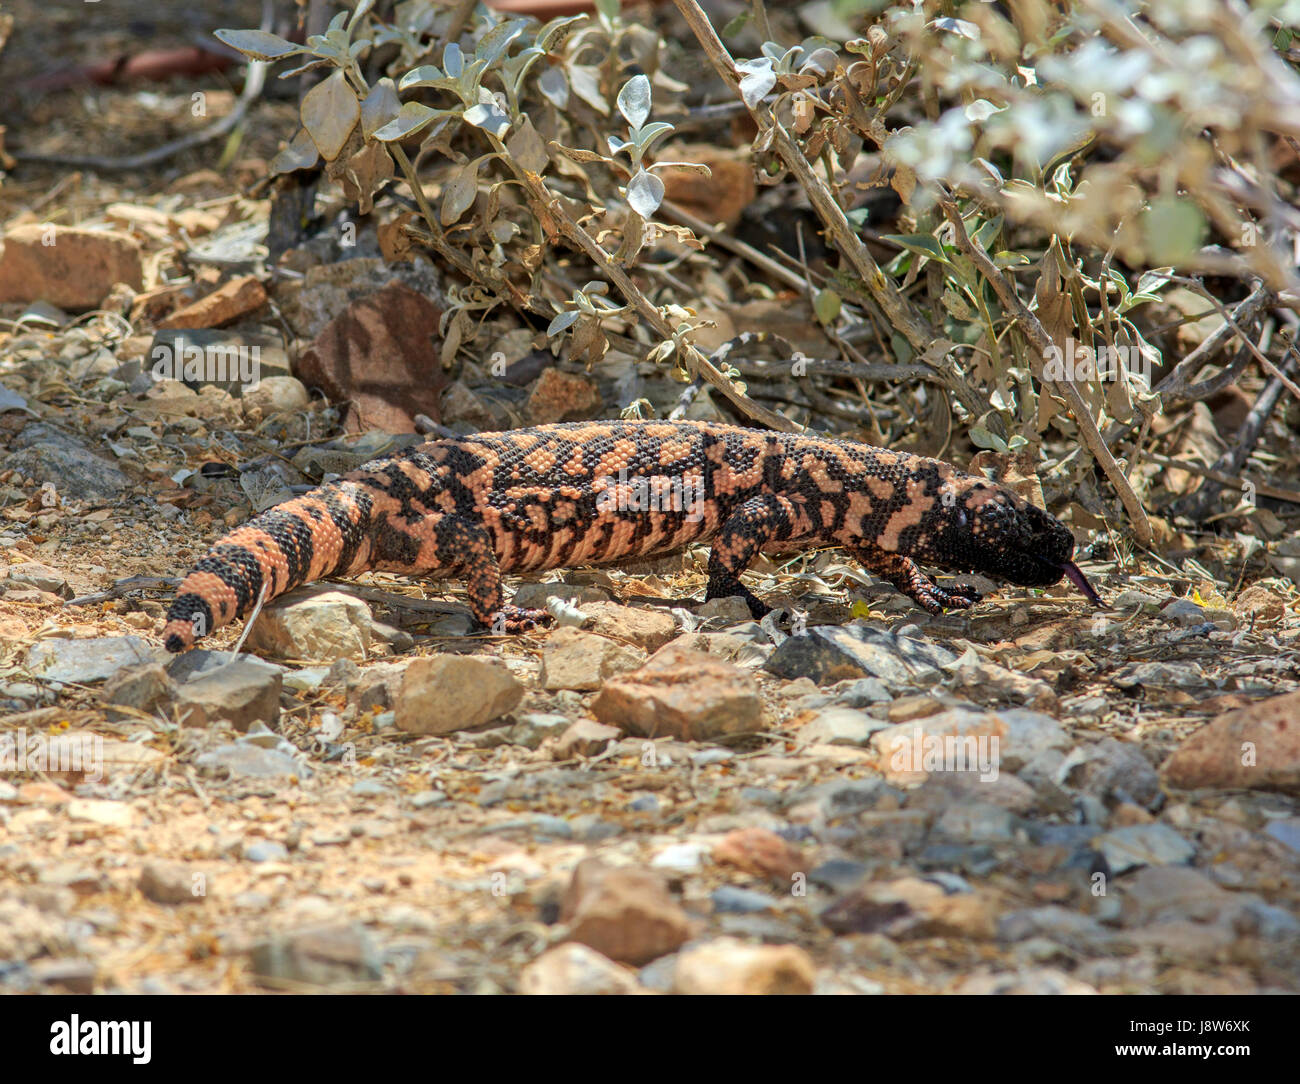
{"type": "Point", "coordinates": [649, 797]}
{"type": "Point", "coordinates": [656, 795]}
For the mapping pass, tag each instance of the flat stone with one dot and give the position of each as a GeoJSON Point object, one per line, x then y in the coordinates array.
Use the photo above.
{"type": "Point", "coordinates": [171, 883]}
{"type": "Point", "coordinates": [86, 662]}
{"type": "Point", "coordinates": [682, 694]}
{"type": "Point", "coordinates": [242, 692]}
{"type": "Point", "coordinates": [325, 625]}
{"type": "Point", "coordinates": [623, 912]}
{"type": "Point", "coordinates": [729, 966]}
{"type": "Point", "coordinates": [578, 970]}
{"type": "Point", "coordinates": [841, 726]}
{"type": "Point", "coordinates": [326, 956]}
{"type": "Point", "coordinates": [1143, 845]}
{"type": "Point", "coordinates": [441, 694]}
{"type": "Point", "coordinates": [830, 653]}
{"type": "Point", "coordinates": [572, 659]}
{"type": "Point", "coordinates": [48, 455]}
{"type": "Point", "coordinates": [1257, 746]}
{"type": "Point", "coordinates": [585, 738]}
{"type": "Point", "coordinates": [648, 629]}
{"type": "Point", "coordinates": [533, 728]}
{"type": "Point", "coordinates": [252, 762]}
{"type": "Point", "coordinates": [66, 266]}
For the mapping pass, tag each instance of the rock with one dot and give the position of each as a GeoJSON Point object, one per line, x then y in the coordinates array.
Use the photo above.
{"type": "Point", "coordinates": [536, 595]}
{"type": "Point", "coordinates": [139, 687]}
{"type": "Point", "coordinates": [241, 692]}
{"type": "Point", "coordinates": [686, 857]}
{"type": "Point", "coordinates": [324, 625]}
{"type": "Point", "coordinates": [276, 395]}
{"type": "Point", "coordinates": [731, 610]}
{"type": "Point", "coordinates": [34, 574]}
{"type": "Point", "coordinates": [585, 738]}
{"type": "Point", "coordinates": [950, 741]}
{"type": "Point", "coordinates": [96, 811]}
{"type": "Point", "coordinates": [1260, 604]}
{"type": "Point", "coordinates": [575, 969]}
{"type": "Point", "coordinates": [1176, 893]}
{"type": "Point", "coordinates": [682, 694]}
{"type": "Point", "coordinates": [48, 455]}
{"type": "Point", "coordinates": [206, 362]}
{"type": "Point", "coordinates": [238, 297]}
{"type": "Point", "coordinates": [1114, 771]}
{"type": "Point", "coordinates": [830, 653]}
{"type": "Point", "coordinates": [623, 912]}
{"type": "Point", "coordinates": [392, 330]}
{"type": "Point", "coordinates": [1036, 981]}
{"type": "Point", "coordinates": [730, 900]}
{"type": "Point", "coordinates": [533, 728]}
{"type": "Point", "coordinates": [729, 966]}
{"type": "Point", "coordinates": [1079, 933]}
{"type": "Point", "coordinates": [70, 976]}
{"type": "Point", "coordinates": [648, 629]}
{"type": "Point", "coordinates": [976, 822]}
{"type": "Point", "coordinates": [562, 397]}
{"type": "Point", "coordinates": [990, 682]}
{"type": "Point", "coordinates": [444, 693]}
{"type": "Point", "coordinates": [1142, 845]}
{"type": "Point", "coordinates": [762, 853]}
{"type": "Point", "coordinates": [1184, 612]}
{"type": "Point", "coordinates": [1257, 746]}
{"type": "Point", "coordinates": [841, 726]}
{"type": "Point", "coordinates": [171, 883]}
{"type": "Point", "coordinates": [838, 874]}
{"type": "Point", "coordinates": [68, 267]}
{"type": "Point", "coordinates": [266, 850]}
{"type": "Point", "coordinates": [252, 762]}
{"type": "Point", "coordinates": [910, 908]}
{"type": "Point", "coordinates": [572, 659]}
{"type": "Point", "coordinates": [326, 956]}
{"type": "Point", "coordinates": [86, 662]}
{"type": "Point", "coordinates": [1286, 831]}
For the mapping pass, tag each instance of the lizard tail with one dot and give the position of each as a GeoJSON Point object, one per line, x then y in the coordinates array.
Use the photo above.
{"type": "Point", "coordinates": [319, 534]}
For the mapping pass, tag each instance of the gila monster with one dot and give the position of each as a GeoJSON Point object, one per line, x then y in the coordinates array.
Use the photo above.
{"type": "Point", "coordinates": [600, 492]}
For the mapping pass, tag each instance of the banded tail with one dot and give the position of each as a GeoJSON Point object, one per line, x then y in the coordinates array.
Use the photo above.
{"type": "Point", "coordinates": [322, 533]}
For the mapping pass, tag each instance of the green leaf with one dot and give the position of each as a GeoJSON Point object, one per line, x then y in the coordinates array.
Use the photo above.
{"type": "Point", "coordinates": [460, 192]}
{"type": "Point", "coordinates": [563, 321]}
{"type": "Point", "coordinates": [923, 244]}
{"type": "Point", "coordinates": [301, 153]}
{"type": "Point", "coordinates": [410, 120]}
{"type": "Point", "coordinates": [826, 307]}
{"type": "Point", "coordinates": [381, 106]}
{"type": "Point", "coordinates": [495, 42]}
{"type": "Point", "coordinates": [424, 76]}
{"type": "Point", "coordinates": [982, 438]}
{"type": "Point", "coordinates": [488, 117]}
{"type": "Point", "coordinates": [453, 60]}
{"type": "Point", "coordinates": [258, 44]}
{"type": "Point", "coordinates": [1173, 228]}
{"type": "Point", "coordinates": [330, 111]}
{"type": "Point", "coordinates": [645, 192]}
{"type": "Point", "coordinates": [758, 79]}
{"type": "Point", "coordinates": [634, 100]}
{"type": "Point", "coordinates": [554, 87]}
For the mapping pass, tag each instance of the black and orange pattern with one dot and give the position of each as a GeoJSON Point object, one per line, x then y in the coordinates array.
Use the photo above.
{"type": "Point", "coordinates": [562, 495]}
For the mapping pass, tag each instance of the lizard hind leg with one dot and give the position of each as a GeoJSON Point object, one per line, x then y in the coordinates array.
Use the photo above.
{"type": "Point", "coordinates": [475, 559]}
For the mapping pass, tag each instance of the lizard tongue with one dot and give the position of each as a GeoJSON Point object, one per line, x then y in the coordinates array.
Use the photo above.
{"type": "Point", "coordinates": [1080, 581]}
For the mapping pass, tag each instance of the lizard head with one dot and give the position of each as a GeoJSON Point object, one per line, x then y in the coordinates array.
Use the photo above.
{"type": "Point", "coordinates": [986, 528]}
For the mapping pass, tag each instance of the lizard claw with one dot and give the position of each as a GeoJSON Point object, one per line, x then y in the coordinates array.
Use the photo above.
{"type": "Point", "coordinates": [510, 619]}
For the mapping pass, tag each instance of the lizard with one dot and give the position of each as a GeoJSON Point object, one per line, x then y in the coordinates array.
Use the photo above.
{"type": "Point", "coordinates": [604, 492]}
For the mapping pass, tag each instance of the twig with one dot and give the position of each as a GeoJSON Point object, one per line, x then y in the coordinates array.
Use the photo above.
{"type": "Point", "coordinates": [1041, 342]}
{"type": "Point", "coordinates": [1276, 493]}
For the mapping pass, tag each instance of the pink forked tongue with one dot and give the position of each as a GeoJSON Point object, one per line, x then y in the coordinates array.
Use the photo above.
{"type": "Point", "coordinates": [1080, 581]}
